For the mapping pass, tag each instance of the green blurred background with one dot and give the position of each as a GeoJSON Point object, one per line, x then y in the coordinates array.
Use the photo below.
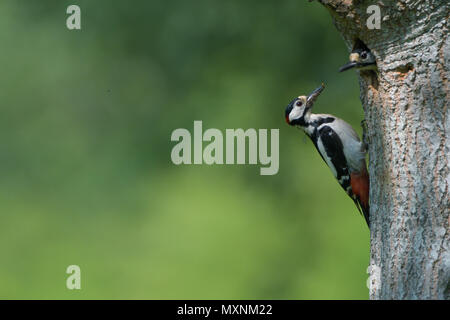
{"type": "Point", "coordinates": [86, 174]}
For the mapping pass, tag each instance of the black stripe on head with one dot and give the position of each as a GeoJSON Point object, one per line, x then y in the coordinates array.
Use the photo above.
{"type": "Point", "coordinates": [289, 108]}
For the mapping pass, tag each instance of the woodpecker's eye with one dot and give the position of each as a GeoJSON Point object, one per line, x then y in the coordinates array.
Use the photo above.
{"type": "Point", "coordinates": [364, 55]}
{"type": "Point", "coordinates": [299, 103]}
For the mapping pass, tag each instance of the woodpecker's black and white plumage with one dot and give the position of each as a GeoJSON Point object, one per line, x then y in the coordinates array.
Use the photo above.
{"type": "Point", "coordinates": [338, 145]}
{"type": "Point", "coordinates": [361, 59]}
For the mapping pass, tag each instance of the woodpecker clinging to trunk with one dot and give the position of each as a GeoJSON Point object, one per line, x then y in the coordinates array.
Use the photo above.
{"type": "Point", "coordinates": [339, 146]}
{"type": "Point", "coordinates": [361, 59]}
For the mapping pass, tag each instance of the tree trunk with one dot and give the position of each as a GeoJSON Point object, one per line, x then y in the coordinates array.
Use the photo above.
{"type": "Point", "coordinates": [406, 111]}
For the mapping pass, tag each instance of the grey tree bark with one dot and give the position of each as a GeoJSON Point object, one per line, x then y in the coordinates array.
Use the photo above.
{"type": "Point", "coordinates": [407, 116]}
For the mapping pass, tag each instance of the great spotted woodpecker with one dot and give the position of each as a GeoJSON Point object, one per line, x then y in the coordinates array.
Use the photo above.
{"type": "Point", "coordinates": [339, 146]}
{"type": "Point", "coordinates": [361, 59]}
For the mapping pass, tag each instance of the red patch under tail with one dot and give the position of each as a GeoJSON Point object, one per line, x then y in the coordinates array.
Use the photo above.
{"type": "Point", "coordinates": [360, 188]}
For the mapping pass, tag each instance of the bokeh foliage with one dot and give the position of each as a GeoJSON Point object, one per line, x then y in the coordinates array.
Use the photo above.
{"type": "Point", "coordinates": [85, 153]}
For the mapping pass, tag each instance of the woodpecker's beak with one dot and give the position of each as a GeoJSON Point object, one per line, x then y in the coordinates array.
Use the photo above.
{"type": "Point", "coordinates": [348, 66]}
{"type": "Point", "coordinates": [313, 96]}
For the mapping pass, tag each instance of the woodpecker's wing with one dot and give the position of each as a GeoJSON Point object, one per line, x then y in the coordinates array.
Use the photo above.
{"type": "Point", "coordinates": [353, 148]}
{"type": "Point", "coordinates": [331, 149]}
{"type": "Point", "coordinates": [345, 128]}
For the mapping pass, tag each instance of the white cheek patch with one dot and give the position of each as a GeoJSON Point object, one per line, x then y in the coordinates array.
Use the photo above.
{"type": "Point", "coordinates": [295, 113]}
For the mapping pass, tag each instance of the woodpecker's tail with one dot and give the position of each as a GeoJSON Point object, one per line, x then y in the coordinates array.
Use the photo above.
{"type": "Point", "coordinates": [360, 188]}
{"type": "Point", "coordinates": [365, 212]}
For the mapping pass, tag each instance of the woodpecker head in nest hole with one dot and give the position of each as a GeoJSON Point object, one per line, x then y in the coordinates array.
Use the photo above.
{"type": "Point", "coordinates": [361, 58]}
